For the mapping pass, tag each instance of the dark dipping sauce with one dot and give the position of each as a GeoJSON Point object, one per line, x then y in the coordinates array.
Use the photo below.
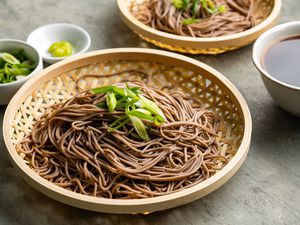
{"type": "Point", "coordinates": [282, 60]}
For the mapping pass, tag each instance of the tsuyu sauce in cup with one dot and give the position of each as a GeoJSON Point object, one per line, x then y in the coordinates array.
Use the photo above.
{"type": "Point", "coordinates": [282, 60]}
{"type": "Point", "coordinates": [276, 54]}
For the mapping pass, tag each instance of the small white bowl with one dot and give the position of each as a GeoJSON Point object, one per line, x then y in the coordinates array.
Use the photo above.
{"type": "Point", "coordinates": [44, 36]}
{"type": "Point", "coordinates": [8, 90]}
{"type": "Point", "coordinates": [287, 96]}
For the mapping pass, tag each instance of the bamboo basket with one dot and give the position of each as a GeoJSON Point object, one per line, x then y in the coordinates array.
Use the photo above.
{"type": "Point", "coordinates": [266, 13]}
{"type": "Point", "coordinates": [56, 84]}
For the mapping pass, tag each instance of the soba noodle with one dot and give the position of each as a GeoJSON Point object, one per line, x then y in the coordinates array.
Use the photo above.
{"type": "Point", "coordinates": [235, 16]}
{"type": "Point", "coordinates": [71, 147]}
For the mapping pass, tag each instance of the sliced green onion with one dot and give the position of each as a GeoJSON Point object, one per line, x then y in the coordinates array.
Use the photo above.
{"type": "Point", "coordinates": [121, 103]}
{"type": "Point", "coordinates": [7, 67]}
{"type": "Point", "coordinates": [144, 111]}
{"type": "Point", "coordinates": [111, 101]}
{"type": "Point", "coordinates": [118, 91]}
{"type": "Point", "coordinates": [140, 115]}
{"type": "Point", "coordinates": [9, 58]}
{"type": "Point", "coordinates": [102, 90]}
{"type": "Point", "coordinates": [222, 9]}
{"type": "Point", "coordinates": [139, 127]}
{"type": "Point", "coordinates": [24, 65]}
{"type": "Point", "coordinates": [135, 106]}
{"type": "Point", "coordinates": [20, 71]}
{"type": "Point", "coordinates": [158, 120]}
{"type": "Point", "coordinates": [181, 4]}
{"type": "Point", "coordinates": [178, 4]}
{"type": "Point", "coordinates": [195, 8]}
{"type": "Point", "coordinates": [151, 106]}
{"type": "Point", "coordinates": [135, 90]}
{"type": "Point", "coordinates": [129, 108]}
{"type": "Point", "coordinates": [190, 21]}
{"type": "Point", "coordinates": [186, 3]}
{"type": "Point", "coordinates": [14, 66]}
{"type": "Point", "coordinates": [130, 94]}
{"type": "Point", "coordinates": [120, 122]}
{"type": "Point", "coordinates": [209, 6]}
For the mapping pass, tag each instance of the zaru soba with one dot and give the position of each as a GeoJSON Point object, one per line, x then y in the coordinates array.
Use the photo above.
{"type": "Point", "coordinates": [125, 141]}
{"type": "Point", "coordinates": [197, 18]}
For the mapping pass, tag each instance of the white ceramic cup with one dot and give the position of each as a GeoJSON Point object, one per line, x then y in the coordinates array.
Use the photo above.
{"type": "Point", "coordinates": [8, 90]}
{"type": "Point", "coordinates": [287, 96]}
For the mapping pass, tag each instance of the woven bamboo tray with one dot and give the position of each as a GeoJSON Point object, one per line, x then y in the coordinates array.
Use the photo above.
{"type": "Point", "coordinates": [56, 84]}
{"type": "Point", "coordinates": [267, 12]}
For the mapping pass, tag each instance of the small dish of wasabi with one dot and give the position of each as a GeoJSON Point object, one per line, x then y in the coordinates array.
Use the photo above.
{"type": "Point", "coordinates": [58, 41]}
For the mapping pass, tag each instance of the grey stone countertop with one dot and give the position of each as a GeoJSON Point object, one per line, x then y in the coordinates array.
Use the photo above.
{"type": "Point", "coordinates": [266, 189]}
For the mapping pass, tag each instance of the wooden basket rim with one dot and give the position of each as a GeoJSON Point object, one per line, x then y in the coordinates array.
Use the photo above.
{"type": "Point", "coordinates": [113, 205]}
{"type": "Point", "coordinates": [160, 35]}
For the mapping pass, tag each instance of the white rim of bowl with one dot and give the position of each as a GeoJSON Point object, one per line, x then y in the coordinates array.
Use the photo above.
{"type": "Point", "coordinates": [37, 63]}
{"type": "Point", "coordinates": [87, 45]}
{"type": "Point", "coordinates": [257, 59]}
{"type": "Point", "coordinates": [275, 11]}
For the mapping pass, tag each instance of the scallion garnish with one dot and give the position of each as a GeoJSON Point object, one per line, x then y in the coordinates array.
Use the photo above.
{"type": "Point", "coordinates": [141, 115]}
{"type": "Point", "coordinates": [208, 5]}
{"type": "Point", "coordinates": [14, 66]}
{"type": "Point", "coordinates": [190, 21]}
{"type": "Point", "coordinates": [136, 107]}
{"type": "Point", "coordinates": [195, 8]}
{"type": "Point", "coordinates": [139, 127]}
{"type": "Point", "coordinates": [151, 106]}
{"type": "Point", "coordinates": [9, 58]}
{"type": "Point", "coordinates": [102, 90]}
{"type": "Point", "coordinates": [222, 9]}
{"type": "Point", "coordinates": [180, 4]}
{"type": "Point", "coordinates": [111, 101]}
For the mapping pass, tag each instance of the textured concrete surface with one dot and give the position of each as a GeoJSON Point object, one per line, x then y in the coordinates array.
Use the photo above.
{"type": "Point", "coordinates": [264, 191]}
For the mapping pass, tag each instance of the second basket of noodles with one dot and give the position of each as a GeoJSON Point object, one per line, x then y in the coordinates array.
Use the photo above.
{"type": "Point", "coordinates": [127, 131]}
{"type": "Point", "coordinates": [199, 26]}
